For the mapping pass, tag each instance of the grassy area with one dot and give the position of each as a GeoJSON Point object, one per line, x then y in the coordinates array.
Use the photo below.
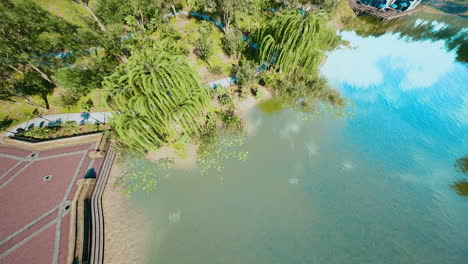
{"type": "Point", "coordinates": [66, 9]}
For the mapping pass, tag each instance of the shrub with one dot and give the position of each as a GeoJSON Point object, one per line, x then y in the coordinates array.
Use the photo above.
{"type": "Point", "coordinates": [233, 44]}
{"type": "Point", "coordinates": [225, 100]}
{"type": "Point", "coordinates": [204, 44]}
{"type": "Point", "coordinates": [216, 69]}
{"type": "Point", "coordinates": [230, 120]}
{"type": "Point", "coordinates": [69, 99]}
{"type": "Point", "coordinates": [87, 105]}
{"type": "Point", "coordinates": [245, 72]}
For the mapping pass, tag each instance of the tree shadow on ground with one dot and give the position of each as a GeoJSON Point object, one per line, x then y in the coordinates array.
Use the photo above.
{"type": "Point", "coordinates": [5, 123]}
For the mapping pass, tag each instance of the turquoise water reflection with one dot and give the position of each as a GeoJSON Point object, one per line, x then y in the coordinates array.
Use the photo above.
{"type": "Point", "coordinates": [371, 189]}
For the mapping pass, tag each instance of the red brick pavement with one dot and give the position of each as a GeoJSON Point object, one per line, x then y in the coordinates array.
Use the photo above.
{"type": "Point", "coordinates": [33, 208]}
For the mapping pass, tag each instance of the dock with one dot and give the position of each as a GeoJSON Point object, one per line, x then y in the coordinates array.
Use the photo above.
{"type": "Point", "coordinates": [388, 14]}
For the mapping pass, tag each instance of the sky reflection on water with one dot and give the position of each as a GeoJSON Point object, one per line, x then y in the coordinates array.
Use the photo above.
{"type": "Point", "coordinates": [374, 188]}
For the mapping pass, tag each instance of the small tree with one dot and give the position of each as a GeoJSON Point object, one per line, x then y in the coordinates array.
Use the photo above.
{"type": "Point", "coordinates": [69, 99]}
{"type": "Point", "coordinates": [233, 43]}
{"type": "Point", "coordinates": [204, 44]}
{"type": "Point", "coordinates": [80, 81]}
{"type": "Point", "coordinates": [87, 105]}
{"type": "Point", "coordinates": [245, 72]}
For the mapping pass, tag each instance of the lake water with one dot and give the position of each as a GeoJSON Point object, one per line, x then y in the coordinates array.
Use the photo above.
{"type": "Point", "coordinates": [374, 188]}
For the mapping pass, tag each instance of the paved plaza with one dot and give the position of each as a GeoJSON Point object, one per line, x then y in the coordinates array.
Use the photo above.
{"type": "Point", "coordinates": [36, 190]}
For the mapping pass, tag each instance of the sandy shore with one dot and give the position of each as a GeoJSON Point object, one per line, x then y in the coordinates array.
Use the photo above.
{"type": "Point", "coordinates": [127, 231]}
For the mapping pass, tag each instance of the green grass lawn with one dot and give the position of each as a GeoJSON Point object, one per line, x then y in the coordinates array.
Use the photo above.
{"type": "Point", "coordinates": [66, 9]}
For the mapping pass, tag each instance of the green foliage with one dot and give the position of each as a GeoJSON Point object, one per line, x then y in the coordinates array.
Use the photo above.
{"type": "Point", "coordinates": [216, 69]}
{"type": "Point", "coordinates": [327, 5]}
{"type": "Point", "coordinates": [79, 80]}
{"type": "Point", "coordinates": [68, 128]}
{"type": "Point", "coordinates": [201, 5]}
{"type": "Point", "coordinates": [245, 72]}
{"type": "Point", "coordinates": [158, 97]}
{"type": "Point", "coordinates": [39, 132]}
{"type": "Point", "coordinates": [31, 83]}
{"type": "Point", "coordinates": [296, 43]}
{"type": "Point", "coordinates": [225, 100]}
{"type": "Point", "coordinates": [87, 105]}
{"type": "Point", "coordinates": [69, 99]}
{"type": "Point", "coordinates": [303, 95]}
{"type": "Point", "coordinates": [228, 9]}
{"type": "Point", "coordinates": [231, 121]}
{"type": "Point", "coordinates": [204, 44]}
{"type": "Point", "coordinates": [28, 35]}
{"type": "Point", "coordinates": [233, 44]}
{"type": "Point", "coordinates": [135, 12]}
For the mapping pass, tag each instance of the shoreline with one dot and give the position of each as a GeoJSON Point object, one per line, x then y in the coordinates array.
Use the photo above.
{"type": "Point", "coordinates": [126, 227]}
{"type": "Point", "coordinates": [127, 230]}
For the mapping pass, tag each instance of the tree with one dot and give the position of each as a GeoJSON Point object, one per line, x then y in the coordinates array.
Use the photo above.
{"type": "Point", "coordinates": [245, 72]}
{"type": "Point", "coordinates": [79, 80]}
{"type": "Point", "coordinates": [156, 97]}
{"type": "Point", "coordinates": [200, 5]}
{"type": "Point", "coordinates": [85, 4]}
{"type": "Point", "coordinates": [233, 43]}
{"type": "Point", "coordinates": [295, 43]}
{"type": "Point", "coordinates": [29, 41]}
{"type": "Point", "coordinates": [116, 11]}
{"type": "Point", "coordinates": [227, 9]}
{"type": "Point", "coordinates": [19, 87]}
{"type": "Point", "coordinates": [204, 44]}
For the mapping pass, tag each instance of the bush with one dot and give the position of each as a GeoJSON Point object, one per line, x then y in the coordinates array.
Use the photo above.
{"type": "Point", "coordinates": [69, 99]}
{"type": "Point", "coordinates": [230, 120]}
{"type": "Point", "coordinates": [245, 72]}
{"type": "Point", "coordinates": [233, 44]}
{"type": "Point", "coordinates": [216, 69]}
{"type": "Point", "coordinates": [225, 100]}
{"type": "Point", "coordinates": [78, 80]}
{"type": "Point", "coordinates": [204, 44]}
{"type": "Point", "coordinates": [39, 132]}
{"type": "Point", "coordinates": [87, 105]}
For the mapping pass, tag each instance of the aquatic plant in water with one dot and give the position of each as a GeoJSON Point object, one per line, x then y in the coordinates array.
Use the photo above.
{"type": "Point", "coordinates": [142, 175]}
{"type": "Point", "coordinates": [227, 148]}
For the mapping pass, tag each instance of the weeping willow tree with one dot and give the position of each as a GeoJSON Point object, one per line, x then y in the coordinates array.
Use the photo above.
{"type": "Point", "coordinates": [156, 98]}
{"type": "Point", "coordinates": [295, 43]}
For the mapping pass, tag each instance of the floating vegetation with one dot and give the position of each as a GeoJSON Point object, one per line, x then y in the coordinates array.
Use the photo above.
{"type": "Point", "coordinates": [142, 175]}
{"type": "Point", "coordinates": [228, 148]}
{"type": "Point", "coordinates": [462, 164]}
{"type": "Point", "coordinates": [461, 187]}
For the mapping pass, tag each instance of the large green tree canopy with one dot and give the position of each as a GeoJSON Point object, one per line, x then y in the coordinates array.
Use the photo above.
{"type": "Point", "coordinates": [296, 42]}
{"type": "Point", "coordinates": [156, 97]}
